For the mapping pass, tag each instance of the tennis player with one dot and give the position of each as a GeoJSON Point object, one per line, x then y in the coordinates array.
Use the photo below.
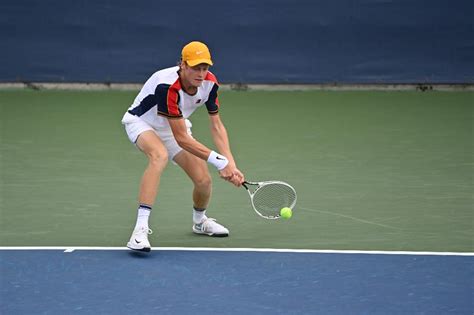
{"type": "Point", "coordinates": [157, 123]}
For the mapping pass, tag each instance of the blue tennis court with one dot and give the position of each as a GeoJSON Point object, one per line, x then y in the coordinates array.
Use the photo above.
{"type": "Point", "coordinates": [233, 282]}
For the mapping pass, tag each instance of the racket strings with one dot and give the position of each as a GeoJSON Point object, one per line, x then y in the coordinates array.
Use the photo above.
{"type": "Point", "coordinates": [269, 199]}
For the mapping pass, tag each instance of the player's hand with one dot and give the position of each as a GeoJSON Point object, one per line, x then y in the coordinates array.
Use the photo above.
{"type": "Point", "coordinates": [231, 174]}
{"type": "Point", "coordinates": [227, 172]}
{"type": "Point", "coordinates": [239, 176]}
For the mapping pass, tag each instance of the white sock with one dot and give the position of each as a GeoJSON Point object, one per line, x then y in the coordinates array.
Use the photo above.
{"type": "Point", "coordinates": [143, 215]}
{"type": "Point", "coordinates": [199, 215]}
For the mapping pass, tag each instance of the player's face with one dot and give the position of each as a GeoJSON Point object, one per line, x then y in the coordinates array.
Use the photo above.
{"type": "Point", "coordinates": [195, 75]}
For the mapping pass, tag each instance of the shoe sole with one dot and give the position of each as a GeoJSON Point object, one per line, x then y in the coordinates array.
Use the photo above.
{"type": "Point", "coordinates": [144, 249]}
{"type": "Point", "coordinates": [210, 234]}
{"type": "Point", "coordinates": [219, 235]}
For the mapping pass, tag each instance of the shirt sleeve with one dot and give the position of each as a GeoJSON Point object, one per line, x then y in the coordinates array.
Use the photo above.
{"type": "Point", "coordinates": [167, 98]}
{"type": "Point", "coordinates": [212, 103]}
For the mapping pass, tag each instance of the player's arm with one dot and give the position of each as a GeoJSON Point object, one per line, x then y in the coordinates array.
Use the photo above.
{"type": "Point", "coordinates": [167, 98]}
{"type": "Point", "coordinates": [221, 140]}
{"type": "Point", "coordinates": [185, 141]}
{"type": "Point", "coordinates": [220, 137]}
{"type": "Point", "coordinates": [188, 143]}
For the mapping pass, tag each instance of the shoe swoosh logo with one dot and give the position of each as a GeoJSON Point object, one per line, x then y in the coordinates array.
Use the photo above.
{"type": "Point", "coordinates": [138, 242]}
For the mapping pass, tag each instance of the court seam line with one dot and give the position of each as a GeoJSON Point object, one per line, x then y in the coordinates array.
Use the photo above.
{"type": "Point", "coordinates": [351, 217]}
{"type": "Point", "coordinates": [70, 249]}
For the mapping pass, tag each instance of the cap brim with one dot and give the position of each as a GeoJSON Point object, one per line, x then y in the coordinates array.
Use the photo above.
{"type": "Point", "coordinates": [196, 62]}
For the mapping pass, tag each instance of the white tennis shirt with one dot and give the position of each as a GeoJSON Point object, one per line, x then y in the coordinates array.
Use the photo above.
{"type": "Point", "coordinates": [162, 98]}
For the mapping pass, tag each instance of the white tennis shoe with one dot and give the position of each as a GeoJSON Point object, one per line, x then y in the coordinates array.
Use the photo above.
{"type": "Point", "coordinates": [209, 226]}
{"type": "Point", "coordinates": [139, 240]}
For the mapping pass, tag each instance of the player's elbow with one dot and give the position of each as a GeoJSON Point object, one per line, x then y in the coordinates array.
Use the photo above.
{"type": "Point", "coordinates": [218, 132]}
{"type": "Point", "coordinates": [184, 141]}
{"type": "Point", "coordinates": [218, 128]}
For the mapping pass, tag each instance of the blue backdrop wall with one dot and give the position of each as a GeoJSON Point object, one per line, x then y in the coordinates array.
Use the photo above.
{"type": "Point", "coordinates": [266, 41]}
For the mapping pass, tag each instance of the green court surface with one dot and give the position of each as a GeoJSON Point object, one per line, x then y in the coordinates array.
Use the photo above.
{"type": "Point", "coordinates": [373, 171]}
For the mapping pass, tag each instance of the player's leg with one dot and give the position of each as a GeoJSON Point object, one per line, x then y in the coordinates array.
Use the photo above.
{"type": "Point", "coordinates": [198, 172]}
{"type": "Point", "coordinates": [151, 145]}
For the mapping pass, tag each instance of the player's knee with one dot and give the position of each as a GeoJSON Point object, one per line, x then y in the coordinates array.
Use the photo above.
{"type": "Point", "coordinates": [204, 182]}
{"type": "Point", "coordinates": [158, 158]}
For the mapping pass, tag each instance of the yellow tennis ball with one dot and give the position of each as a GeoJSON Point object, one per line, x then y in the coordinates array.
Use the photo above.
{"type": "Point", "coordinates": [286, 213]}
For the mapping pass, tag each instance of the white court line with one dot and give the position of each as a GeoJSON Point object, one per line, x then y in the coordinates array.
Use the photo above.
{"type": "Point", "coordinates": [69, 249]}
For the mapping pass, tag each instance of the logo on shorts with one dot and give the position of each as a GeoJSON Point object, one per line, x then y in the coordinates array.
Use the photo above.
{"type": "Point", "coordinates": [198, 101]}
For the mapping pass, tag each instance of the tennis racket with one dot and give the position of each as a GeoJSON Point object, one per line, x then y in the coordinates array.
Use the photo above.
{"type": "Point", "coordinates": [269, 197]}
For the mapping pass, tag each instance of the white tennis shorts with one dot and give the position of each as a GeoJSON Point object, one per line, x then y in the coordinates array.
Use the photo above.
{"type": "Point", "coordinates": [134, 126]}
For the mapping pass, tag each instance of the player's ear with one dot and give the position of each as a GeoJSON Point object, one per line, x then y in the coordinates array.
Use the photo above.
{"type": "Point", "coordinates": [182, 64]}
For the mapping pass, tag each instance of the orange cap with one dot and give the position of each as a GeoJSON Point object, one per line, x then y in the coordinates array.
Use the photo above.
{"type": "Point", "coordinates": [195, 53]}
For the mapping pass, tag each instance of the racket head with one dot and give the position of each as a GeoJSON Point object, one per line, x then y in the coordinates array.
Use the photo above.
{"type": "Point", "coordinates": [269, 197]}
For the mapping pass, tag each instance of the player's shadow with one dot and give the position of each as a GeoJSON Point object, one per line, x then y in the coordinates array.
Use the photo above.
{"type": "Point", "coordinates": [141, 255]}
